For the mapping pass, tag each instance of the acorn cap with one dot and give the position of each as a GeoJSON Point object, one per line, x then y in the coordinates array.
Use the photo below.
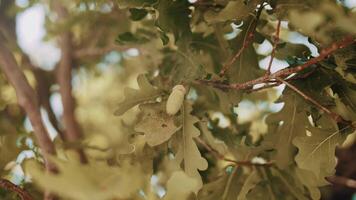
{"type": "Point", "coordinates": [180, 87]}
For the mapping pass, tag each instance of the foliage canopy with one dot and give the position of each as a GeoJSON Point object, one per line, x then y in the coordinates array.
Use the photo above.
{"type": "Point", "coordinates": [269, 95]}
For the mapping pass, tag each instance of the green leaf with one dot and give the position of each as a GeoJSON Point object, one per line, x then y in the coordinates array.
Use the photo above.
{"type": "Point", "coordinates": [225, 187]}
{"type": "Point", "coordinates": [164, 37]}
{"type": "Point", "coordinates": [294, 188]}
{"type": "Point", "coordinates": [246, 66]}
{"type": "Point", "coordinates": [137, 14]}
{"type": "Point", "coordinates": [187, 67]}
{"type": "Point", "coordinates": [133, 97]}
{"type": "Point", "coordinates": [157, 125]}
{"type": "Point", "coordinates": [180, 186]}
{"type": "Point", "coordinates": [286, 50]}
{"type": "Point", "coordinates": [294, 123]}
{"type": "Point", "coordinates": [135, 3]}
{"type": "Point", "coordinates": [316, 152]}
{"type": "Point", "coordinates": [260, 192]}
{"type": "Point", "coordinates": [234, 10]}
{"type": "Point", "coordinates": [216, 144]}
{"type": "Point", "coordinates": [345, 60]}
{"type": "Point", "coordinates": [319, 20]}
{"type": "Point", "coordinates": [188, 152]}
{"type": "Point", "coordinates": [128, 37]}
{"type": "Point", "coordinates": [173, 16]}
{"type": "Point", "coordinates": [344, 111]}
{"type": "Point", "coordinates": [91, 181]}
{"type": "Point", "coordinates": [309, 179]}
{"type": "Point", "coordinates": [8, 149]}
{"type": "Point", "coordinates": [215, 99]}
{"type": "Point", "coordinates": [251, 181]}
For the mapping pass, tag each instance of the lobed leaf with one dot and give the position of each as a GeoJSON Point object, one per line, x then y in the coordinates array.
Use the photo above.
{"type": "Point", "coordinates": [133, 97]}
{"type": "Point", "coordinates": [156, 124]}
{"type": "Point", "coordinates": [188, 152]}
{"type": "Point", "coordinates": [316, 152]}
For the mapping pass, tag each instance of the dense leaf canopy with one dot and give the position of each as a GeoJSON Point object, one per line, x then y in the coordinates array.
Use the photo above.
{"type": "Point", "coordinates": [267, 95]}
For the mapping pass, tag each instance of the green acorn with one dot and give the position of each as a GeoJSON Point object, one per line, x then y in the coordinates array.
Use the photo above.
{"type": "Point", "coordinates": [175, 99]}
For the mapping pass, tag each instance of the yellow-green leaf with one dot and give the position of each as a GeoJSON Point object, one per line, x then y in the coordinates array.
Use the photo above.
{"type": "Point", "coordinates": [146, 92]}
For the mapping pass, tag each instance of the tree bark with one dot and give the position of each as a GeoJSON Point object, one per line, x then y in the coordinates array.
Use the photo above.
{"type": "Point", "coordinates": [27, 99]}
{"type": "Point", "coordinates": [64, 77]}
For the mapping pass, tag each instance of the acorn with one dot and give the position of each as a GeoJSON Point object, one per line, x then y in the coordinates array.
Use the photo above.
{"type": "Point", "coordinates": [175, 99]}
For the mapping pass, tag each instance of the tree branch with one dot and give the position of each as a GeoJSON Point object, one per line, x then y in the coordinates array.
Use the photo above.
{"type": "Point", "coordinates": [43, 92]}
{"type": "Point", "coordinates": [7, 26]}
{"type": "Point", "coordinates": [14, 188]}
{"type": "Point", "coordinates": [64, 77]}
{"type": "Point", "coordinates": [283, 72]}
{"type": "Point", "coordinates": [27, 100]}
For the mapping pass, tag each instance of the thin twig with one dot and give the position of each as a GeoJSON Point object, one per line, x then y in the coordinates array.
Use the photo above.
{"type": "Point", "coordinates": [264, 87]}
{"type": "Point", "coordinates": [24, 195]}
{"type": "Point", "coordinates": [274, 83]}
{"type": "Point", "coordinates": [246, 42]}
{"type": "Point", "coordinates": [335, 116]}
{"type": "Point", "coordinates": [275, 42]}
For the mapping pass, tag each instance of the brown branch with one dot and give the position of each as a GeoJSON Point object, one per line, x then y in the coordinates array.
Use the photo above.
{"type": "Point", "coordinates": [264, 87]}
{"type": "Point", "coordinates": [250, 34]}
{"type": "Point", "coordinates": [335, 116]}
{"type": "Point", "coordinates": [275, 42]}
{"type": "Point", "coordinates": [43, 85]}
{"type": "Point", "coordinates": [7, 26]}
{"type": "Point", "coordinates": [27, 100]}
{"type": "Point", "coordinates": [64, 73]}
{"type": "Point", "coordinates": [219, 156]}
{"type": "Point", "coordinates": [274, 83]}
{"type": "Point", "coordinates": [43, 91]}
{"type": "Point", "coordinates": [339, 180]}
{"type": "Point", "coordinates": [283, 72]}
{"type": "Point", "coordinates": [7, 185]}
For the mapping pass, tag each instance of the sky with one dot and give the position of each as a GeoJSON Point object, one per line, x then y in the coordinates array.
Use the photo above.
{"type": "Point", "coordinates": [30, 31]}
